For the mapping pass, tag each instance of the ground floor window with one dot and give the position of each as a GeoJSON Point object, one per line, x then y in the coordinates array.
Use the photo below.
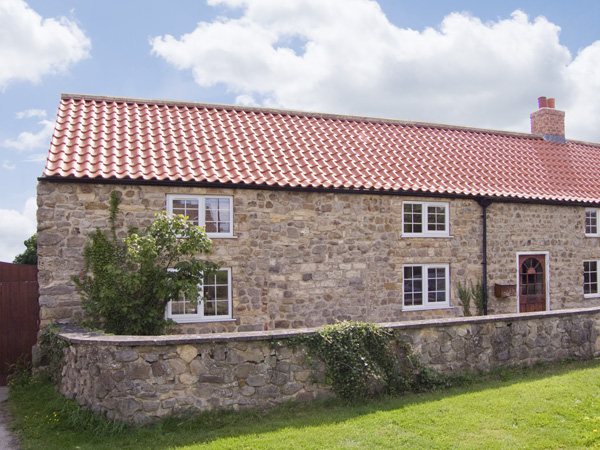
{"type": "Point", "coordinates": [590, 279]}
{"type": "Point", "coordinates": [214, 302]}
{"type": "Point", "coordinates": [426, 286]}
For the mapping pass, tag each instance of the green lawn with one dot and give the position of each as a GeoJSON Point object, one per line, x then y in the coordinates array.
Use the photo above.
{"type": "Point", "coordinates": [549, 407]}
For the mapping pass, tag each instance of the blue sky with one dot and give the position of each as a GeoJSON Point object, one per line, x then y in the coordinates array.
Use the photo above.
{"type": "Point", "coordinates": [472, 63]}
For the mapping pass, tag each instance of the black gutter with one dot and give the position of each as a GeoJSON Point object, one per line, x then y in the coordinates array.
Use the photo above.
{"type": "Point", "coordinates": [484, 203]}
{"type": "Point", "coordinates": [331, 190]}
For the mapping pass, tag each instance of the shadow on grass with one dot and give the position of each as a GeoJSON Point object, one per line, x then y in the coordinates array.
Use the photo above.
{"type": "Point", "coordinates": [207, 427]}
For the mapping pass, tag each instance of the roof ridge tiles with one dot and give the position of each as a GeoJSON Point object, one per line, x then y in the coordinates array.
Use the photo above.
{"type": "Point", "coordinates": [220, 109]}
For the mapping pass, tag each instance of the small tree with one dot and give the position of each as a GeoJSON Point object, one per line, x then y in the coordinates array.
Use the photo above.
{"type": "Point", "coordinates": [126, 285]}
{"type": "Point", "coordinates": [29, 256]}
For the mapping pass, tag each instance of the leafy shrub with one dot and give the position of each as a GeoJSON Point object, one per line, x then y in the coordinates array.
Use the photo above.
{"type": "Point", "coordinates": [126, 285]}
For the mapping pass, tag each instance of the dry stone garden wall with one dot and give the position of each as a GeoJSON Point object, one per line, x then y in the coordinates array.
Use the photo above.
{"type": "Point", "coordinates": [141, 379]}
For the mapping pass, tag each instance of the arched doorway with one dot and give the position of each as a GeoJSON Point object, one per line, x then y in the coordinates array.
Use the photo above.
{"type": "Point", "coordinates": [532, 283]}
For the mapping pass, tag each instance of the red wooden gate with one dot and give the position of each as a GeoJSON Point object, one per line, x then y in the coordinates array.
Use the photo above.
{"type": "Point", "coordinates": [19, 314]}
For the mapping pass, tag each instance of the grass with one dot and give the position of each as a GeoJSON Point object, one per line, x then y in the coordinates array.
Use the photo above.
{"type": "Point", "coordinates": [546, 407]}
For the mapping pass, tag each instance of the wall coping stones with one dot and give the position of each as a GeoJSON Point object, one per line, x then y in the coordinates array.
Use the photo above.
{"type": "Point", "coordinates": [74, 334]}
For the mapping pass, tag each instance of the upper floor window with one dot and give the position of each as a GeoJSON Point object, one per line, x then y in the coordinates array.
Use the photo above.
{"type": "Point", "coordinates": [590, 279]}
{"type": "Point", "coordinates": [427, 219]}
{"type": "Point", "coordinates": [213, 213]}
{"type": "Point", "coordinates": [214, 302]}
{"type": "Point", "coordinates": [426, 286]}
{"type": "Point", "coordinates": [591, 222]}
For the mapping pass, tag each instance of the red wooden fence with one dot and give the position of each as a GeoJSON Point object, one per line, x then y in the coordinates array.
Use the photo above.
{"type": "Point", "coordinates": [19, 314]}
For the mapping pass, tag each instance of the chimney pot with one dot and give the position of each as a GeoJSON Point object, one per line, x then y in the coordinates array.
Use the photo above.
{"type": "Point", "coordinates": [548, 121]}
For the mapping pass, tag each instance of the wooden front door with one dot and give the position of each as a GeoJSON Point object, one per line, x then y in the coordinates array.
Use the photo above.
{"type": "Point", "coordinates": [532, 283]}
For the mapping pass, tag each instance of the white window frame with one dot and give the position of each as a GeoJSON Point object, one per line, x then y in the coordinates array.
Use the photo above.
{"type": "Point", "coordinates": [425, 220]}
{"type": "Point", "coordinates": [518, 276]}
{"type": "Point", "coordinates": [426, 304]}
{"type": "Point", "coordinates": [595, 213]}
{"type": "Point", "coordinates": [597, 293]}
{"type": "Point", "coordinates": [199, 315]}
{"type": "Point", "coordinates": [202, 210]}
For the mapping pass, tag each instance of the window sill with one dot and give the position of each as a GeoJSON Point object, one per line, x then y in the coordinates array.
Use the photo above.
{"type": "Point", "coordinates": [426, 308]}
{"type": "Point", "coordinates": [201, 320]}
{"type": "Point", "coordinates": [591, 295]}
{"type": "Point", "coordinates": [221, 236]}
{"type": "Point", "coordinates": [592, 235]}
{"type": "Point", "coordinates": [421, 235]}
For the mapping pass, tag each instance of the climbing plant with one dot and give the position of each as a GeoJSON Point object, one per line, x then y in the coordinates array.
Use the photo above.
{"type": "Point", "coordinates": [364, 360]}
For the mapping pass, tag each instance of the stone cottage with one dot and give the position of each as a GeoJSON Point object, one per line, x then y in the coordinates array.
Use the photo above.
{"type": "Point", "coordinates": [319, 217]}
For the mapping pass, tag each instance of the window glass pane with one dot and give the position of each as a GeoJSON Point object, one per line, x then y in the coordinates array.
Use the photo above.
{"type": "Point", "coordinates": [216, 291]}
{"type": "Point", "coordinates": [413, 218]}
{"type": "Point", "coordinates": [209, 308]}
{"type": "Point", "coordinates": [591, 221]}
{"type": "Point", "coordinates": [187, 207]}
{"type": "Point", "coordinates": [436, 284]}
{"type": "Point", "coordinates": [436, 218]}
{"type": "Point", "coordinates": [210, 292]}
{"type": "Point", "coordinates": [590, 277]}
{"type": "Point", "coordinates": [222, 308]}
{"type": "Point", "coordinates": [220, 277]}
{"type": "Point", "coordinates": [222, 292]}
{"type": "Point", "coordinates": [413, 285]}
{"type": "Point", "coordinates": [217, 217]}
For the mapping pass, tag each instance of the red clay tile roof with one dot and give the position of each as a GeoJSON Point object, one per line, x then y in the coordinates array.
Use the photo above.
{"type": "Point", "coordinates": [107, 138]}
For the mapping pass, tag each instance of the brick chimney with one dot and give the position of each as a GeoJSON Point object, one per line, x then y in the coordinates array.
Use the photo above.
{"type": "Point", "coordinates": [548, 121]}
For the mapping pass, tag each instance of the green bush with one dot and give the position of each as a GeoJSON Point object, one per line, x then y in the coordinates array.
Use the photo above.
{"type": "Point", "coordinates": [126, 285]}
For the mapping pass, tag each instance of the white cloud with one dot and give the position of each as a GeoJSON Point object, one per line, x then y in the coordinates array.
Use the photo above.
{"type": "Point", "coordinates": [31, 113]}
{"type": "Point", "coordinates": [345, 56]}
{"type": "Point", "coordinates": [36, 158]}
{"type": "Point", "coordinates": [15, 228]}
{"type": "Point", "coordinates": [32, 141]}
{"type": "Point", "coordinates": [8, 165]}
{"type": "Point", "coordinates": [31, 46]}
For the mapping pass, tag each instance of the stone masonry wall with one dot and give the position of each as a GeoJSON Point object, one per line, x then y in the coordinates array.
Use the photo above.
{"type": "Point", "coordinates": [304, 259]}
{"type": "Point", "coordinates": [527, 228]}
{"type": "Point", "coordinates": [298, 259]}
{"type": "Point", "coordinates": [140, 379]}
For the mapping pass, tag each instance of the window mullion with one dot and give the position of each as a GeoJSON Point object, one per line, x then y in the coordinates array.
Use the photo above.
{"type": "Point", "coordinates": [202, 214]}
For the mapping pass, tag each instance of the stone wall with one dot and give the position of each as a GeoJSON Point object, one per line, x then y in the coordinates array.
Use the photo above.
{"type": "Point", "coordinates": [140, 379]}
{"type": "Point", "coordinates": [529, 228]}
{"type": "Point", "coordinates": [299, 259]}
{"type": "Point", "coordinates": [137, 379]}
{"type": "Point", "coordinates": [304, 259]}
